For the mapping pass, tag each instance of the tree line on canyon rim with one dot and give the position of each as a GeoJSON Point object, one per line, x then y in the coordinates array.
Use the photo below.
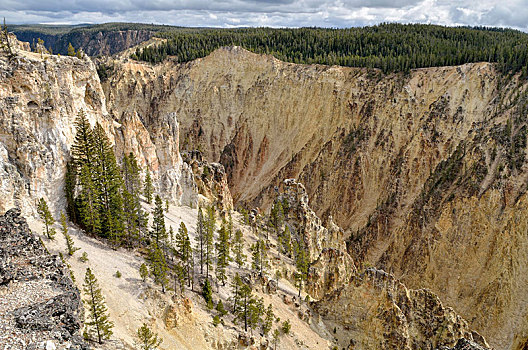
{"type": "Point", "coordinates": [105, 200]}
{"type": "Point", "coordinates": [389, 47]}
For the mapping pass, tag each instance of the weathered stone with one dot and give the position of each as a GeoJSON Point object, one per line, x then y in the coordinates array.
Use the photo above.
{"type": "Point", "coordinates": [54, 309]}
{"type": "Point", "coordinates": [40, 97]}
{"type": "Point", "coordinates": [332, 269]}
{"type": "Point", "coordinates": [378, 311]}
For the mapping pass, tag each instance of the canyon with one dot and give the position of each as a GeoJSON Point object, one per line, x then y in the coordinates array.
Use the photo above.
{"type": "Point", "coordinates": [421, 175]}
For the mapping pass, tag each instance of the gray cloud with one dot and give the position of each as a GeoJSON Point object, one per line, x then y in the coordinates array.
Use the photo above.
{"type": "Point", "coordinates": [275, 13]}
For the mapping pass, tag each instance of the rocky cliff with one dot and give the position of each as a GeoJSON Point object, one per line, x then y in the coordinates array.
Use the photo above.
{"type": "Point", "coordinates": [40, 96]}
{"type": "Point", "coordinates": [426, 172]}
{"type": "Point", "coordinates": [93, 42]}
{"type": "Point", "coordinates": [376, 311]}
{"type": "Point", "coordinates": [40, 307]}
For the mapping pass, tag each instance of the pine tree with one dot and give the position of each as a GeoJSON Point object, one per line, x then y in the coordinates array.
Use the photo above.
{"type": "Point", "coordinates": [98, 322]}
{"type": "Point", "coordinates": [143, 272]}
{"type": "Point", "coordinates": [207, 293]}
{"type": "Point", "coordinates": [276, 338]}
{"type": "Point", "coordinates": [268, 320]}
{"type": "Point", "coordinates": [230, 227]}
{"type": "Point", "coordinates": [209, 235]}
{"type": "Point", "coordinates": [108, 180]}
{"type": "Point", "coordinates": [171, 235]}
{"type": "Point", "coordinates": [256, 310]}
{"type": "Point", "coordinates": [220, 308]}
{"type": "Point", "coordinates": [88, 201]}
{"type": "Point", "coordinates": [148, 340]}
{"type": "Point", "coordinates": [70, 181]}
{"type": "Point", "coordinates": [133, 213]}
{"type": "Point", "coordinates": [238, 249]}
{"type": "Point", "coordinates": [245, 310]}
{"type": "Point", "coordinates": [277, 216]}
{"type": "Point", "coordinates": [148, 189]}
{"type": "Point", "coordinates": [159, 231]}
{"type": "Point", "coordinates": [71, 50]}
{"type": "Point", "coordinates": [83, 149]}
{"type": "Point", "coordinates": [236, 285]}
{"type": "Point", "coordinates": [131, 175]}
{"type": "Point", "coordinates": [184, 251]}
{"type": "Point", "coordinates": [301, 263]}
{"type": "Point", "coordinates": [45, 215]}
{"type": "Point", "coordinates": [259, 252]}
{"type": "Point", "coordinates": [222, 253]}
{"type": "Point", "coordinates": [286, 241]}
{"type": "Point", "coordinates": [83, 152]}
{"type": "Point", "coordinates": [200, 238]}
{"type": "Point", "coordinates": [158, 266]}
{"type": "Point", "coordinates": [70, 247]}
{"type": "Point", "coordinates": [179, 276]}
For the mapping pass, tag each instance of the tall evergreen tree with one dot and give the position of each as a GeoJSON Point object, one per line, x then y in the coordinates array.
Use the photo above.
{"type": "Point", "coordinates": [179, 276]}
{"type": "Point", "coordinates": [108, 180]}
{"type": "Point", "coordinates": [70, 181]}
{"type": "Point", "coordinates": [132, 214]}
{"type": "Point", "coordinates": [89, 201]}
{"type": "Point", "coordinates": [236, 285]}
{"type": "Point", "coordinates": [268, 320]}
{"type": "Point", "coordinates": [131, 175]}
{"type": "Point", "coordinates": [148, 189]}
{"type": "Point", "coordinates": [98, 322]}
{"type": "Point", "coordinates": [83, 148]}
{"type": "Point", "coordinates": [256, 310]}
{"type": "Point", "coordinates": [222, 253]}
{"type": "Point", "coordinates": [277, 216]}
{"type": "Point", "coordinates": [276, 338]}
{"type": "Point", "coordinates": [70, 246]}
{"type": "Point", "coordinates": [259, 252]}
{"type": "Point", "coordinates": [238, 249]}
{"type": "Point", "coordinates": [200, 238]}
{"type": "Point", "coordinates": [148, 340]}
{"type": "Point", "coordinates": [71, 50]}
{"type": "Point", "coordinates": [184, 252]}
{"type": "Point", "coordinates": [45, 215]}
{"type": "Point", "coordinates": [132, 211]}
{"type": "Point", "coordinates": [286, 241]}
{"type": "Point", "coordinates": [301, 264]}
{"type": "Point", "coordinates": [246, 306]}
{"type": "Point", "coordinates": [143, 272]}
{"type": "Point", "coordinates": [207, 293]}
{"type": "Point", "coordinates": [209, 236]}
{"type": "Point", "coordinates": [159, 231]}
{"type": "Point", "coordinates": [158, 266]}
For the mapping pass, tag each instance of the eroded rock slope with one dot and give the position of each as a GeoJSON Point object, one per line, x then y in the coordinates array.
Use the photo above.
{"type": "Point", "coordinates": [425, 172]}
{"type": "Point", "coordinates": [40, 97]}
{"type": "Point", "coordinates": [40, 307]}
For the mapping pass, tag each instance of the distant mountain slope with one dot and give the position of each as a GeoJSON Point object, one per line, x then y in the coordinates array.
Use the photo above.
{"type": "Point", "coordinates": [391, 47]}
{"type": "Point", "coordinates": [95, 40]}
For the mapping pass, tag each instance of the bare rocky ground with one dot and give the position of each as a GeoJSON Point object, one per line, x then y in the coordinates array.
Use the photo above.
{"type": "Point", "coordinates": [39, 305]}
{"type": "Point", "coordinates": [182, 322]}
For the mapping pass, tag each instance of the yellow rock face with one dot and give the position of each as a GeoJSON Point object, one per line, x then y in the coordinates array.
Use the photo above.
{"type": "Point", "coordinates": [40, 97]}
{"type": "Point", "coordinates": [369, 149]}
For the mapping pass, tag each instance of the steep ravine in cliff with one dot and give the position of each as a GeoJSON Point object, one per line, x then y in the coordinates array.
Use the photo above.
{"type": "Point", "coordinates": [426, 173]}
{"type": "Point", "coordinates": [40, 97]}
{"type": "Point", "coordinates": [409, 165]}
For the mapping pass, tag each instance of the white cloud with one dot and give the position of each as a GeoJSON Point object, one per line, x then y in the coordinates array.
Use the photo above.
{"type": "Point", "coordinates": [275, 13]}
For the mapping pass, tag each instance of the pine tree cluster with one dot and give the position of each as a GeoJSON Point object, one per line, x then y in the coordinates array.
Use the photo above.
{"type": "Point", "coordinates": [103, 198]}
{"type": "Point", "coordinates": [390, 47]}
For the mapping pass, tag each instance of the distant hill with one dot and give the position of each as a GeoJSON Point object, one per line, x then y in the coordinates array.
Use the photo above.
{"type": "Point", "coordinates": [95, 40]}
{"type": "Point", "coordinates": [390, 47]}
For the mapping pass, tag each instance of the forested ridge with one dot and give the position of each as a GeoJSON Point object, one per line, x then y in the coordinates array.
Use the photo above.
{"type": "Point", "coordinates": [389, 47]}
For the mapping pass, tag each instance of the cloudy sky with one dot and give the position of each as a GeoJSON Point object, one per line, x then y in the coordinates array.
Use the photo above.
{"type": "Point", "coordinates": [274, 13]}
